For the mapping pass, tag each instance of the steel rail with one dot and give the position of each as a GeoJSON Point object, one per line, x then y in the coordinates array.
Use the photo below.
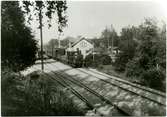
{"type": "Point", "coordinates": [68, 77]}
{"type": "Point", "coordinates": [134, 85]}
{"type": "Point", "coordinates": [76, 93]}
{"type": "Point", "coordinates": [145, 97]}
{"type": "Point", "coordinates": [138, 94]}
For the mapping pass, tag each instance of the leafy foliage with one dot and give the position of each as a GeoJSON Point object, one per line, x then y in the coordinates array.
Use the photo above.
{"type": "Point", "coordinates": [11, 91]}
{"type": "Point", "coordinates": [133, 68]}
{"type": "Point", "coordinates": [49, 8]}
{"type": "Point", "coordinates": [99, 59]}
{"type": "Point", "coordinates": [35, 95]}
{"type": "Point", "coordinates": [109, 37]}
{"type": "Point", "coordinates": [18, 46]}
{"type": "Point", "coordinates": [121, 60]}
{"type": "Point", "coordinates": [148, 63]}
{"type": "Point", "coordinates": [106, 60]}
{"type": "Point", "coordinates": [154, 78]}
{"type": "Point", "coordinates": [59, 7]}
{"type": "Point", "coordinates": [51, 45]}
{"type": "Point", "coordinates": [127, 46]}
{"type": "Point", "coordinates": [88, 60]}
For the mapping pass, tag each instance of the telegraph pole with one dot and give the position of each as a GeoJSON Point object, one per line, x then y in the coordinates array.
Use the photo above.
{"type": "Point", "coordinates": [108, 36]}
{"type": "Point", "coordinates": [112, 42]}
{"type": "Point", "coordinates": [108, 41]}
{"type": "Point", "coordinates": [93, 52]}
{"type": "Point", "coordinates": [40, 21]}
{"type": "Point", "coordinates": [52, 47]}
{"type": "Point", "coordinates": [59, 39]}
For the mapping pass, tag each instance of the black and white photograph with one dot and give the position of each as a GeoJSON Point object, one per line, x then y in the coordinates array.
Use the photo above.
{"type": "Point", "coordinates": [83, 58]}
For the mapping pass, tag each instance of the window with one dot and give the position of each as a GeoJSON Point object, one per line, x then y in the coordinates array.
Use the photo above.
{"type": "Point", "coordinates": [83, 44]}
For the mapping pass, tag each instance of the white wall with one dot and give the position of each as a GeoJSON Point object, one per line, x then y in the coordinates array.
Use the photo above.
{"type": "Point", "coordinates": [84, 46]}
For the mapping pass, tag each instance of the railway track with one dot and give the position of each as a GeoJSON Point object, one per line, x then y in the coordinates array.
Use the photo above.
{"type": "Point", "coordinates": [66, 78]}
{"type": "Point", "coordinates": [66, 85]}
{"type": "Point", "coordinates": [131, 84]}
{"type": "Point", "coordinates": [77, 82]}
{"type": "Point", "coordinates": [124, 85]}
{"type": "Point", "coordinates": [59, 78]}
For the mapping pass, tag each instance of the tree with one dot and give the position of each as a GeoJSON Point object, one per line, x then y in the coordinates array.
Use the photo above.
{"type": "Point", "coordinates": [51, 7]}
{"type": "Point", "coordinates": [52, 44]}
{"type": "Point", "coordinates": [148, 63]}
{"type": "Point", "coordinates": [65, 42]}
{"type": "Point", "coordinates": [147, 49]}
{"type": "Point", "coordinates": [99, 59]}
{"type": "Point", "coordinates": [18, 44]}
{"type": "Point", "coordinates": [110, 37]}
{"type": "Point", "coordinates": [127, 46]}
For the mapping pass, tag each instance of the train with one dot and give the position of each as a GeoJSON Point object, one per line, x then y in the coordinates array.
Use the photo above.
{"type": "Point", "coordinates": [73, 58]}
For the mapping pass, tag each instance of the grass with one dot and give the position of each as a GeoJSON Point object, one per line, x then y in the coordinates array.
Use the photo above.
{"type": "Point", "coordinates": [109, 69]}
{"type": "Point", "coordinates": [35, 95]}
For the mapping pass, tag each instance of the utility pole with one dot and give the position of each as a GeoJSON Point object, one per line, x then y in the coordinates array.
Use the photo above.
{"type": "Point", "coordinates": [93, 52]}
{"type": "Point", "coordinates": [40, 21]}
{"type": "Point", "coordinates": [108, 41]}
{"type": "Point", "coordinates": [108, 36]}
{"type": "Point", "coordinates": [59, 40]}
{"type": "Point", "coordinates": [112, 41]}
{"type": "Point", "coordinates": [52, 47]}
{"type": "Point", "coordinates": [128, 44]}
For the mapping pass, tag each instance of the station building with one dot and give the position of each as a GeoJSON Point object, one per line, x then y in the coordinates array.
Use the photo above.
{"type": "Point", "coordinates": [83, 45]}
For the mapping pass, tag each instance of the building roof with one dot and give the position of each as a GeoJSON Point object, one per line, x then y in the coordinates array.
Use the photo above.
{"type": "Point", "coordinates": [80, 40]}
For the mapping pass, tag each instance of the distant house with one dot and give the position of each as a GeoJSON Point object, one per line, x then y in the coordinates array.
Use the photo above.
{"type": "Point", "coordinates": [83, 45]}
{"type": "Point", "coordinates": [112, 52]}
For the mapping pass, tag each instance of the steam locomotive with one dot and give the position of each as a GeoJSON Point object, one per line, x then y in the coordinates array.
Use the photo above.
{"type": "Point", "coordinates": [73, 58]}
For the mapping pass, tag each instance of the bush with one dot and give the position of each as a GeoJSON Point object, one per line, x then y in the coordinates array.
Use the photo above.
{"type": "Point", "coordinates": [89, 60]}
{"type": "Point", "coordinates": [154, 78]}
{"type": "Point", "coordinates": [99, 59]}
{"type": "Point", "coordinates": [106, 59]}
{"type": "Point", "coordinates": [11, 91]}
{"type": "Point", "coordinates": [133, 69]}
{"type": "Point", "coordinates": [34, 95]}
{"type": "Point", "coordinates": [120, 62]}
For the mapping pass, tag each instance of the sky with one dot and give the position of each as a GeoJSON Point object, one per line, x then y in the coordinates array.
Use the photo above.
{"type": "Point", "coordinates": [89, 18]}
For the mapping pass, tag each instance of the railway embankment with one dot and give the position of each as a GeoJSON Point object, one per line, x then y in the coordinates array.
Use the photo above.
{"type": "Point", "coordinates": [35, 95]}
